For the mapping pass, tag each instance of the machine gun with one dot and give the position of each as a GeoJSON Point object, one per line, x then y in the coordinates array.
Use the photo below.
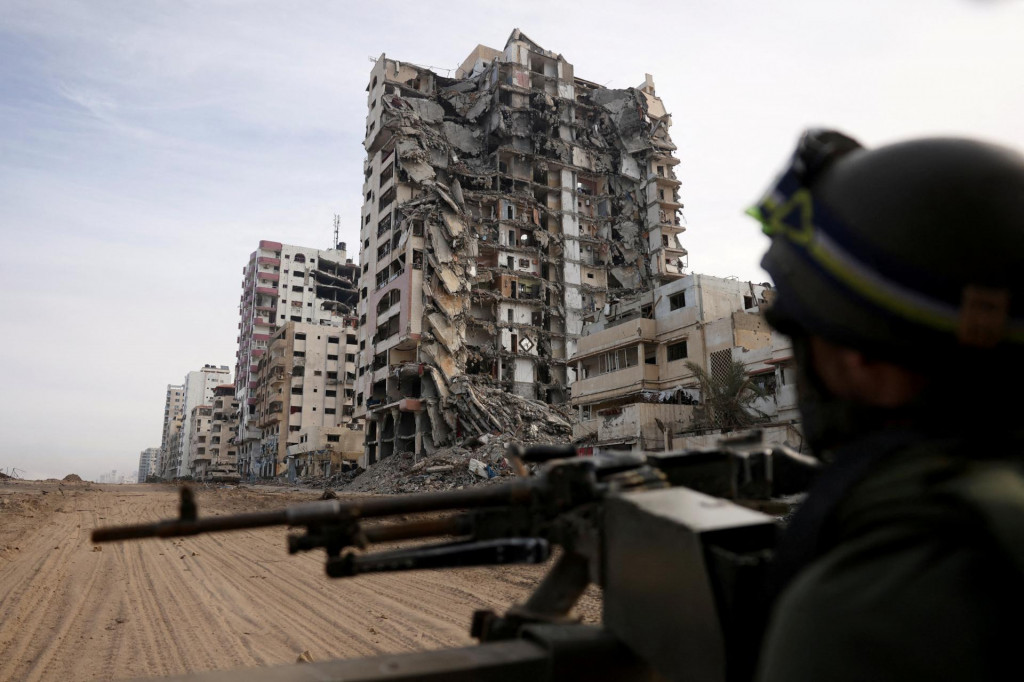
{"type": "Point", "coordinates": [678, 564]}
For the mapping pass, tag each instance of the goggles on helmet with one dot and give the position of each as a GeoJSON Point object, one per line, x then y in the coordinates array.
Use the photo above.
{"type": "Point", "coordinates": [815, 237]}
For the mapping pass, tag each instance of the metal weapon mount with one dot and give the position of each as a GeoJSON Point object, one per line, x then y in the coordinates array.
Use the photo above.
{"type": "Point", "coordinates": [678, 560]}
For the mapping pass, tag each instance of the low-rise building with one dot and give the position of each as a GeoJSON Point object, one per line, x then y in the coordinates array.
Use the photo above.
{"type": "Point", "coordinates": [324, 450]}
{"type": "Point", "coordinates": [634, 388]}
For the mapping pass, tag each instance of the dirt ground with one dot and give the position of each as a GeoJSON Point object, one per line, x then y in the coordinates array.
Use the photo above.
{"type": "Point", "coordinates": [72, 610]}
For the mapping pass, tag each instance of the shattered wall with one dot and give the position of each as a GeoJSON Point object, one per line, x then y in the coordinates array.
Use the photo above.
{"type": "Point", "coordinates": [222, 449]}
{"type": "Point", "coordinates": [501, 209]}
{"type": "Point", "coordinates": [304, 385]}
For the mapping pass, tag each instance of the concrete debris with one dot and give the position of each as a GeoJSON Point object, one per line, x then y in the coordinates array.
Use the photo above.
{"type": "Point", "coordinates": [305, 657]}
{"type": "Point", "coordinates": [489, 419]}
{"type": "Point", "coordinates": [327, 483]}
{"type": "Point", "coordinates": [478, 468]}
{"type": "Point", "coordinates": [462, 138]}
{"type": "Point", "coordinates": [72, 478]}
{"type": "Point", "coordinates": [477, 441]}
{"type": "Point", "coordinates": [446, 469]}
{"type": "Point", "coordinates": [429, 112]}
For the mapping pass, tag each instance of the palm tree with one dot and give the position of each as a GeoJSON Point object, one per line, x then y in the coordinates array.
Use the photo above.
{"type": "Point", "coordinates": [727, 398]}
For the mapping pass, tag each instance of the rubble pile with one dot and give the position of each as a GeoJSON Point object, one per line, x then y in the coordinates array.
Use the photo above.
{"type": "Point", "coordinates": [333, 481]}
{"type": "Point", "coordinates": [446, 469]}
{"type": "Point", "coordinates": [501, 417]}
{"type": "Point", "coordinates": [489, 410]}
{"type": "Point", "coordinates": [72, 478]}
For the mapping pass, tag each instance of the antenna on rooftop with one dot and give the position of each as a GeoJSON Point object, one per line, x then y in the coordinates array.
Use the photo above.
{"type": "Point", "coordinates": [337, 224]}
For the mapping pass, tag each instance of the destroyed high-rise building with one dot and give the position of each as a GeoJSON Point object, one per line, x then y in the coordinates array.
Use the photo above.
{"type": "Point", "coordinates": [502, 207]}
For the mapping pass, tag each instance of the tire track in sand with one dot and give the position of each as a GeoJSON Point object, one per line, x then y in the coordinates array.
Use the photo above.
{"type": "Point", "coordinates": [153, 608]}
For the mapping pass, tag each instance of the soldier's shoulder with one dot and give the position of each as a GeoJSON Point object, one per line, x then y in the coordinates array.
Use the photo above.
{"type": "Point", "coordinates": [899, 600]}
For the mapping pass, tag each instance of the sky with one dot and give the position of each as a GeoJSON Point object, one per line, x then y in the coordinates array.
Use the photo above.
{"type": "Point", "coordinates": [146, 148]}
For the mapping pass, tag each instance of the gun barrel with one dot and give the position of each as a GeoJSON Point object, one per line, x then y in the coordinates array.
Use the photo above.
{"type": "Point", "coordinates": [325, 511]}
{"type": "Point", "coordinates": [492, 496]}
{"type": "Point", "coordinates": [175, 528]}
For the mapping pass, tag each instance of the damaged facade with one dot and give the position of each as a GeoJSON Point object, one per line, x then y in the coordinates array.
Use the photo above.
{"type": "Point", "coordinates": [304, 401]}
{"type": "Point", "coordinates": [633, 389]}
{"type": "Point", "coordinates": [502, 207]}
{"type": "Point", "coordinates": [220, 460]}
{"type": "Point", "coordinates": [199, 440]}
{"type": "Point", "coordinates": [284, 283]}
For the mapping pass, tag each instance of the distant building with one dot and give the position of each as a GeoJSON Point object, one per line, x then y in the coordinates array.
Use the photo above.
{"type": "Point", "coordinates": [147, 462]}
{"type": "Point", "coordinates": [285, 283]}
{"type": "Point", "coordinates": [168, 467]}
{"type": "Point", "coordinates": [199, 390]}
{"type": "Point", "coordinates": [117, 478]}
{"type": "Point", "coordinates": [222, 450]}
{"type": "Point", "coordinates": [304, 398]}
{"type": "Point", "coordinates": [174, 405]}
{"type": "Point", "coordinates": [199, 441]}
{"type": "Point", "coordinates": [632, 387]}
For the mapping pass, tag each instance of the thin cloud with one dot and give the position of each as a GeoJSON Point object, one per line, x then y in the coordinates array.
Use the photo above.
{"type": "Point", "coordinates": [147, 147]}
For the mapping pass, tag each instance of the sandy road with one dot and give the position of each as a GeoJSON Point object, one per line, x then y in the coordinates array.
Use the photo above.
{"type": "Point", "coordinates": [162, 607]}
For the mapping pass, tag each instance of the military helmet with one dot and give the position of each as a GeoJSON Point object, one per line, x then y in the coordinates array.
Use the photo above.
{"type": "Point", "coordinates": [908, 252]}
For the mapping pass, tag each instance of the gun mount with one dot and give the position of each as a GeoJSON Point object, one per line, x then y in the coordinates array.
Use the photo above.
{"type": "Point", "coordinates": [679, 567]}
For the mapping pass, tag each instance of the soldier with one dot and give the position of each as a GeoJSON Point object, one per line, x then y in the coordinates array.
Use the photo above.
{"type": "Point", "coordinates": [900, 278]}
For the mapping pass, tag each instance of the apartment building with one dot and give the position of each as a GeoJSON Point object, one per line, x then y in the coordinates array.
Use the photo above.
{"type": "Point", "coordinates": [199, 420]}
{"type": "Point", "coordinates": [502, 206]}
{"type": "Point", "coordinates": [174, 403]}
{"type": "Point", "coordinates": [285, 283]}
{"type": "Point", "coordinates": [199, 388]}
{"type": "Point", "coordinates": [305, 400]}
{"type": "Point", "coordinates": [633, 388]}
{"type": "Point", "coordinates": [222, 450]}
{"type": "Point", "coordinates": [147, 463]}
{"type": "Point", "coordinates": [168, 468]}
